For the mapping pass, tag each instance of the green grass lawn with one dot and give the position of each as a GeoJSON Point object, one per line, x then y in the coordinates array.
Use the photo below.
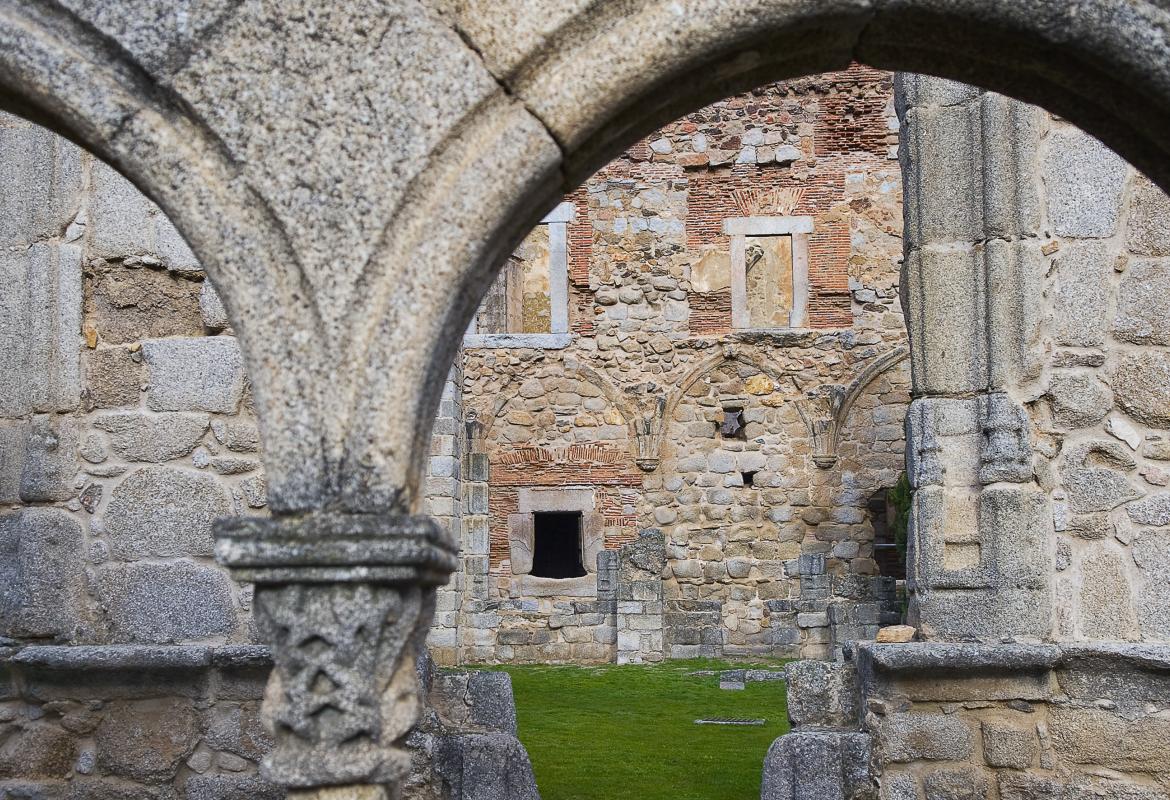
{"type": "Point", "coordinates": [609, 732]}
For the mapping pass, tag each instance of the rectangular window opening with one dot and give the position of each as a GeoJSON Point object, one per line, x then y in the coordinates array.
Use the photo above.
{"type": "Point", "coordinates": [768, 268]}
{"type": "Point", "coordinates": [557, 544]}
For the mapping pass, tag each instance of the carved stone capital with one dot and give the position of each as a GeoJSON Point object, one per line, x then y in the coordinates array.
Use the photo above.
{"type": "Point", "coordinates": [345, 601]}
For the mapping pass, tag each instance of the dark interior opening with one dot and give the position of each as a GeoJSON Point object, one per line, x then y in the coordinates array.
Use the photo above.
{"type": "Point", "coordinates": [749, 478]}
{"type": "Point", "coordinates": [557, 544]}
{"type": "Point", "coordinates": [890, 558]}
{"type": "Point", "coordinates": [732, 426]}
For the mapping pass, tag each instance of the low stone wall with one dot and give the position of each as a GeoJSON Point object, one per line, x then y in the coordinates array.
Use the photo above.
{"type": "Point", "coordinates": [977, 721]}
{"type": "Point", "coordinates": [184, 723]}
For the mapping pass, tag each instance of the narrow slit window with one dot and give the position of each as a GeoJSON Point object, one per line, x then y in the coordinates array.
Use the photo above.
{"type": "Point", "coordinates": [557, 544]}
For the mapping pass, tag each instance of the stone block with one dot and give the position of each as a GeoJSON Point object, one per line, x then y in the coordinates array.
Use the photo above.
{"type": "Point", "coordinates": [40, 335]}
{"type": "Point", "coordinates": [155, 438]}
{"type": "Point", "coordinates": [50, 459]}
{"type": "Point", "coordinates": [913, 736]}
{"type": "Point", "coordinates": [13, 443]}
{"type": "Point", "coordinates": [36, 750]}
{"type": "Point", "coordinates": [1143, 303]}
{"type": "Point", "coordinates": [146, 740]}
{"type": "Point", "coordinates": [492, 705]}
{"type": "Point", "coordinates": [1106, 598]}
{"type": "Point", "coordinates": [128, 302]}
{"type": "Point", "coordinates": [953, 174]}
{"type": "Point", "coordinates": [1151, 553]}
{"type": "Point", "coordinates": [967, 783]}
{"type": "Point", "coordinates": [948, 334]}
{"type": "Point", "coordinates": [40, 182]}
{"type": "Point", "coordinates": [1147, 234]}
{"type": "Point", "coordinates": [1011, 746]}
{"type": "Point", "coordinates": [823, 694]}
{"type": "Point", "coordinates": [1097, 737]}
{"type": "Point", "coordinates": [1153, 510]}
{"type": "Point", "coordinates": [1027, 786]}
{"type": "Point", "coordinates": [237, 728]}
{"type": "Point", "coordinates": [1141, 385]}
{"type": "Point", "coordinates": [194, 374]}
{"type": "Point", "coordinates": [818, 766]}
{"type": "Point", "coordinates": [1085, 181]}
{"type": "Point", "coordinates": [1078, 400]}
{"type": "Point", "coordinates": [163, 511]}
{"type": "Point", "coordinates": [1082, 297]}
{"type": "Point", "coordinates": [239, 436]}
{"type": "Point", "coordinates": [491, 766]}
{"type": "Point", "coordinates": [120, 217]}
{"type": "Point", "coordinates": [41, 573]}
{"type": "Point", "coordinates": [166, 602]}
{"type": "Point", "coordinates": [231, 787]}
{"type": "Point", "coordinates": [113, 377]}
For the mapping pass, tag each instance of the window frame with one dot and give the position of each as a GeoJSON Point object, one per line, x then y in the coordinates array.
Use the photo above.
{"type": "Point", "coordinates": [558, 336]}
{"type": "Point", "coordinates": [739, 230]}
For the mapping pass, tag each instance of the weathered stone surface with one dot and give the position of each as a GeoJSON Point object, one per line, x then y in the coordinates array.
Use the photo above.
{"type": "Point", "coordinates": [1141, 385]}
{"type": "Point", "coordinates": [236, 728]}
{"type": "Point", "coordinates": [166, 602]}
{"type": "Point", "coordinates": [1151, 553]}
{"type": "Point", "coordinates": [492, 704]}
{"type": "Point", "coordinates": [211, 307]}
{"type": "Point", "coordinates": [814, 765]}
{"type": "Point", "coordinates": [40, 311]}
{"type": "Point", "coordinates": [1149, 210]}
{"type": "Point", "coordinates": [1025, 786]}
{"type": "Point", "coordinates": [135, 436]}
{"type": "Point", "coordinates": [146, 740]}
{"type": "Point", "coordinates": [128, 301]}
{"type": "Point", "coordinates": [231, 787]}
{"type": "Point", "coordinates": [1100, 738]}
{"type": "Point", "coordinates": [1106, 598]}
{"type": "Point", "coordinates": [36, 750]}
{"type": "Point", "coordinates": [1143, 303]}
{"type": "Point", "coordinates": [906, 737]}
{"type": "Point", "coordinates": [1082, 299]}
{"type": "Point", "coordinates": [194, 374]}
{"type": "Point", "coordinates": [13, 444]}
{"type": "Point", "coordinates": [1078, 400]}
{"type": "Point", "coordinates": [1013, 746]}
{"type": "Point", "coordinates": [113, 377]}
{"type": "Point", "coordinates": [162, 511]}
{"type": "Point", "coordinates": [50, 460]}
{"type": "Point", "coordinates": [955, 784]}
{"type": "Point", "coordinates": [1153, 511]}
{"type": "Point", "coordinates": [486, 766]}
{"type": "Point", "coordinates": [239, 436]}
{"type": "Point", "coordinates": [41, 573]}
{"type": "Point", "coordinates": [823, 694]}
{"type": "Point", "coordinates": [1085, 181]}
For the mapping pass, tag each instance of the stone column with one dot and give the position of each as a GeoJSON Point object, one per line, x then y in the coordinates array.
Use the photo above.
{"type": "Point", "coordinates": [345, 600]}
{"type": "Point", "coordinates": [981, 529]}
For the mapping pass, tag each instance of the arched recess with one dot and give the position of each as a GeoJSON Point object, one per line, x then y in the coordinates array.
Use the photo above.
{"type": "Point", "coordinates": [58, 72]}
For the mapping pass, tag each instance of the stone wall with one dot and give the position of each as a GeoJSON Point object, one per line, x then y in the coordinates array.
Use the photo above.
{"type": "Point", "coordinates": [768, 531]}
{"type": "Point", "coordinates": [127, 425]}
{"type": "Point", "coordinates": [1041, 499]}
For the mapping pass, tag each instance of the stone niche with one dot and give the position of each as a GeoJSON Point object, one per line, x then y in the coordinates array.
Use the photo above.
{"type": "Point", "coordinates": [537, 504]}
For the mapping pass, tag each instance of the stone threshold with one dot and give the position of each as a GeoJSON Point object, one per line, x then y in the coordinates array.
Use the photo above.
{"type": "Point", "coordinates": [947, 657]}
{"type": "Point", "coordinates": [77, 658]}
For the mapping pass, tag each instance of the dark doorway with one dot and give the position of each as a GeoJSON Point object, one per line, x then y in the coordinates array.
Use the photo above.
{"type": "Point", "coordinates": [557, 545]}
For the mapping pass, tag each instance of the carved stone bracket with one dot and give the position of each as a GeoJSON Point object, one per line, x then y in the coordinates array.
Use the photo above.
{"type": "Point", "coordinates": [826, 431]}
{"type": "Point", "coordinates": [345, 600]}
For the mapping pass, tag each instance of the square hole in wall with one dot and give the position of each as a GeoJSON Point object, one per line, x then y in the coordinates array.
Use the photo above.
{"type": "Point", "coordinates": [556, 551]}
{"type": "Point", "coordinates": [732, 426]}
{"type": "Point", "coordinates": [749, 478]}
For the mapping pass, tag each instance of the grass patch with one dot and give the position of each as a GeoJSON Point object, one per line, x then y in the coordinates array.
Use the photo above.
{"type": "Point", "coordinates": [609, 732]}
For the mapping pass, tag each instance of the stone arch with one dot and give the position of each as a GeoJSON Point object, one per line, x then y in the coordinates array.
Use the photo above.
{"type": "Point", "coordinates": [511, 387]}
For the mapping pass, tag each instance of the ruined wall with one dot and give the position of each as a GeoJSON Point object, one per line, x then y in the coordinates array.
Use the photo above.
{"type": "Point", "coordinates": [765, 529]}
